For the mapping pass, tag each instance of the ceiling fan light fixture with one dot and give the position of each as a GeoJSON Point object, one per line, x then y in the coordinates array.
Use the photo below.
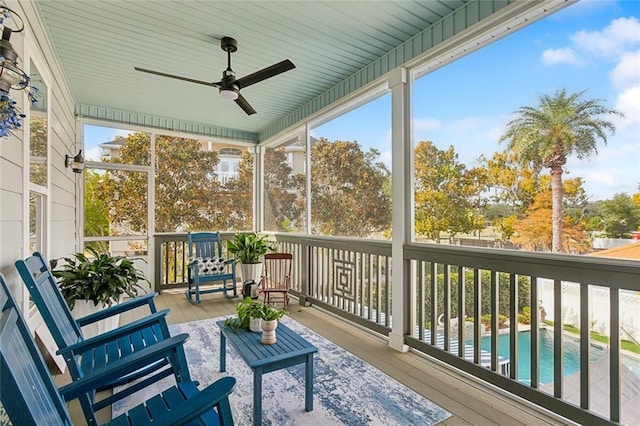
{"type": "Point", "coordinates": [230, 93]}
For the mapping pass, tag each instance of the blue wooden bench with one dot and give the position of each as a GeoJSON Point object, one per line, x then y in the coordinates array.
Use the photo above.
{"type": "Point", "coordinates": [207, 266]}
{"type": "Point", "coordinates": [165, 353]}
{"type": "Point", "coordinates": [30, 397]}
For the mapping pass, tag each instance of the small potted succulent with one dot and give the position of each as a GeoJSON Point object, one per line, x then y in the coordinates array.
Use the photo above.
{"type": "Point", "coordinates": [270, 317]}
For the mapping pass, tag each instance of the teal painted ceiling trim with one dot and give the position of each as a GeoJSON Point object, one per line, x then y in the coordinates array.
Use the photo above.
{"type": "Point", "coordinates": [459, 20]}
{"type": "Point", "coordinates": [162, 123]}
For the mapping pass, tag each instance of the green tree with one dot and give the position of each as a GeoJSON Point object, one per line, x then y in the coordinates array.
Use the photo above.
{"type": "Point", "coordinates": [447, 194]}
{"type": "Point", "coordinates": [620, 216]}
{"type": "Point", "coordinates": [284, 193]}
{"type": "Point", "coordinates": [504, 286]}
{"type": "Point", "coordinates": [38, 130]}
{"type": "Point", "coordinates": [187, 192]}
{"type": "Point", "coordinates": [535, 232]}
{"type": "Point", "coordinates": [235, 200]}
{"type": "Point", "coordinates": [512, 182]}
{"type": "Point", "coordinates": [348, 190]}
{"type": "Point", "coordinates": [96, 210]}
{"type": "Point", "coordinates": [560, 125]}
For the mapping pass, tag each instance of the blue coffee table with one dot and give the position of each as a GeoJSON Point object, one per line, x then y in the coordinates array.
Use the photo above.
{"type": "Point", "coordinates": [289, 349]}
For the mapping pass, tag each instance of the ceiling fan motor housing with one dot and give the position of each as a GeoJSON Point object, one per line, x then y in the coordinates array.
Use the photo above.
{"type": "Point", "coordinates": [228, 44]}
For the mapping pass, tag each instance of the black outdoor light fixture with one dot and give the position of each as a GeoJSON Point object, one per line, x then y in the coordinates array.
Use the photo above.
{"type": "Point", "coordinates": [76, 163]}
{"type": "Point", "coordinates": [11, 76]}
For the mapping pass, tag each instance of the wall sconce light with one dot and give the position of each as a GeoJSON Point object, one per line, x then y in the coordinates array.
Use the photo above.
{"type": "Point", "coordinates": [76, 163]}
{"type": "Point", "coordinates": [11, 76]}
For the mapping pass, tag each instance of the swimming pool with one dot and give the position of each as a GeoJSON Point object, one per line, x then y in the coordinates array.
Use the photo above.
{"type": "Point", "coordinates": [571, 355]}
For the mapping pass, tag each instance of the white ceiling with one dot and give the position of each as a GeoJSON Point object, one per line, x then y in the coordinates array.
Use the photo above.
{"type": "Point", "coordinates": [99, 42]}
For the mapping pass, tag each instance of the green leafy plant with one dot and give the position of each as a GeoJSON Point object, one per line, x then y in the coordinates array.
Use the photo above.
{"type": "Point", "coordinates": [269, 313]}
{"type": "Point", "coordinates": [248, 247]}
{"type": "Point", "coordinates": [101, 278]}
{"type": "Point", "coordinates": [245, 310]}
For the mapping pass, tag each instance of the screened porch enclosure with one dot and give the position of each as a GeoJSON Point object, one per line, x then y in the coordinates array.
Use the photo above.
{"type": "Point", "coordinates": [335, 168]}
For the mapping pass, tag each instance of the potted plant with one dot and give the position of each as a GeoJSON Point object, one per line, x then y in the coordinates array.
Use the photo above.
{"type": "Point", "coordinates": [270, 317]}
{"type": "Point", "coordinates": [248, 315]}
{"type": "Point", "coordinates": [90, 283]}
{"type": "Point", "coordinates": [248, 249]}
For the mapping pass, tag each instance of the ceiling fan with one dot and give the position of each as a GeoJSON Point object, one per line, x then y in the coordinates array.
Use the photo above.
{"type": "Point", "coordinates": [229, 87]}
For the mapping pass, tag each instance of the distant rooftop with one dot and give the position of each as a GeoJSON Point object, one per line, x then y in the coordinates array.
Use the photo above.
{"type": "Point", "coordinates": [628, 251]}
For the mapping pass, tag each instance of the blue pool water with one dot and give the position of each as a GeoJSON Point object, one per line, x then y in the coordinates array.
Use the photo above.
{"type": "Point", "coordinates": [571, 355]}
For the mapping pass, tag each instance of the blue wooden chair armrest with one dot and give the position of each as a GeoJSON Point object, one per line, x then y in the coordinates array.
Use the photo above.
{"type": "Point", "coordinates": [230, 262]}
{"type": "Point", "coordinates": [146, 299]}
{"type": "Point", "coordinates": [184, 406]}
{"type": "Point", "coordinates": [122, 367]}
{"type": "Point", "coordinates": [202, 401]}
{"type": "Point", "coordinates": [114, 335]}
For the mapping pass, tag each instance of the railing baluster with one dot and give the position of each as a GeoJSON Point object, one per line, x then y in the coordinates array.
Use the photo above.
{"type": "Point", "coordinates": [513, 326]}
{"type": "Point", "coordinates": [494, 320]}
{"type": "Point", "coordinates": [421, 299]}
{"type": "Point", "coordinates": [557, 339]}
{"type": "Point", "coordinates": [584, 346]}
{"type": "Point", "coordinates": [462, 324]}
{"type": "Point", "coordinates": [477, 324]}
{"type": "Point", "coordinates": [366, 278]}
{"type": "Point", "coordinates": [535, 333]}
{"type": "Point", "coordinates": [614, 355]}
{"type": "Point", "coordinates": [434, 303]}
{"type": "Point", "coordinates": [387, 284]}
{"type": "Point", "coordinates": [378, 269]}
{"type": "Point", "coordinates": [447, 307]}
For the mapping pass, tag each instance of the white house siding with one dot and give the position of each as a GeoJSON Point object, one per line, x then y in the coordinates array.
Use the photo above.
{"type": "Point", "coordinates": [34, 43]}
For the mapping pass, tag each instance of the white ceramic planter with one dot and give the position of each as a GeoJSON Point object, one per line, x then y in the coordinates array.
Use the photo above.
{"type": "Point", "coordinates": [269, 332]}
{"type": "Point", "coordinates": [83, 308]}
{"type": "Point", "coordinates": [251, 271]}
{"type": "Point", "coordinates": [255, 324]}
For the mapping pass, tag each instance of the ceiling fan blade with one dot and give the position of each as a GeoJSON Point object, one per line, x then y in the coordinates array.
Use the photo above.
{"type": "Point", "coordinates": [190, 80]}
{"type": "Point", "coordinates": [244, 104]}
{"type": "Point", "coordinates": [265, 73]}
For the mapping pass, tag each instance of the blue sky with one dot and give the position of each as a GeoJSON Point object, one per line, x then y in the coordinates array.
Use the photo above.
{"type": "Point", "coordinates": [593, 45]}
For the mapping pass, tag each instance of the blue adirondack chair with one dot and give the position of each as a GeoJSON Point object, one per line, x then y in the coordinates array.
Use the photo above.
{"type": "Point", "coordinates": [30, 397]}
{"type": "Point", "coordinates": [207, 266]}
{"type": "Point", "coordinates": [165, 353]}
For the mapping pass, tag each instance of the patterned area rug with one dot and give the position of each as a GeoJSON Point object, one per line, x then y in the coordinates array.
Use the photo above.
{"type": "Point", "coordinates": [347, 390]}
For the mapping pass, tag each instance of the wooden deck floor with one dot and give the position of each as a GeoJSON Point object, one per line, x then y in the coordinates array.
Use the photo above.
{"type": "Point", "coordinates": [469, 401]}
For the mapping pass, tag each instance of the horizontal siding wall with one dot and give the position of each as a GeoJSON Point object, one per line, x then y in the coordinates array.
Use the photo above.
{"type": "Point", "coordinates": [34, 43]}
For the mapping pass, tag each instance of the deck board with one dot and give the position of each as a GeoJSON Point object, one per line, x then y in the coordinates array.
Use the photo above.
{"type": "Point", "coordinates": [469, 401]}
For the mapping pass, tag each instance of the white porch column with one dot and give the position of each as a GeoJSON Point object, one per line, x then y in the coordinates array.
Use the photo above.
{"type": "Point", "coordinates": [402, 212]}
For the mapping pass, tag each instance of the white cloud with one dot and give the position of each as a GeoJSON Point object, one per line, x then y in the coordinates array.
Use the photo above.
{"type": "Point", "coordinates": [93, 154]}
{"type": "Point", "coordinates": [561, 56]}
{"type": "Point", "coordinates": [627, 71]}
{"type": "Point", "coordinates": [467, 124]}
{"type": "Point", "coordinates": [628, 102]}
{"type": "Point", "coordinates": [614, 169]}
{"type": "Point", "coordinates": [622, 34]}
{"type": "Point", "coordinates": [426, 124]}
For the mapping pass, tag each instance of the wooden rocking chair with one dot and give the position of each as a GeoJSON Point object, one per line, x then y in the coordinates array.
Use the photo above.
{"type": "Point", "coordinates": [30, 397]}
{"type": "Point", "coordinates": [276, 277]}
{"type": "Point", "coordinates": [164, 354]}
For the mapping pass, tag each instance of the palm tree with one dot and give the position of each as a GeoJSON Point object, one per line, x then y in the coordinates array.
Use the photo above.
{"type": "Point", "coordinates": [558, 126]}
